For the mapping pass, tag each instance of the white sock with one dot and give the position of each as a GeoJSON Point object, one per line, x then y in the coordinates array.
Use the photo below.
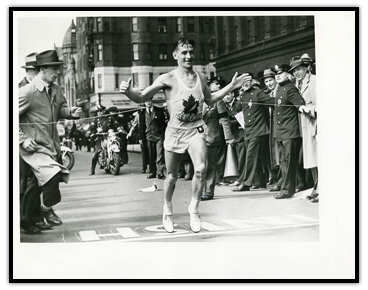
{"type": "Point", "coordinates": [193, 206]}
{"type": "Point", "coordinates": [168, 207]}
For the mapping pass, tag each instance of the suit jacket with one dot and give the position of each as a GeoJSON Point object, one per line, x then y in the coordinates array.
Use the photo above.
{"type": "Point", "coordinates": [212, 116]}
{"type": "Point", "coordinates": [255, 115]}
{"type": "Point", "coordinates": [153, 126]}
{"type": "Point", "coordinates": [41, 114]}
{"type": "Point", "coordinates": [287, 102]}
{"type": "Point", "coordinates": [23, 82]}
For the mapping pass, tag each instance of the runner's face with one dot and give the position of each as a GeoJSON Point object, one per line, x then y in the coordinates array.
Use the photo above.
{"type": "Point", "coordinates": [270, 83]}
{"type": "Point", "coordinates": [184, 56]}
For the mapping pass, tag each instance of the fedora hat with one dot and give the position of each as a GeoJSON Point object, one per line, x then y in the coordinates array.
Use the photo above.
{"type": "Point", "coordinates": [295, 62]}
{"type": "Point", "coordinates": [306, 58]}
{"type": "Point", "coordinates": [30, 60]}
{"type": "Point", "coordinates": [48, 58]}
{"type": "Point", "coordinates": [268, 73]}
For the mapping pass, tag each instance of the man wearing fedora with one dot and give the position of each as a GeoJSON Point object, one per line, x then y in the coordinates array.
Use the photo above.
{"type": "Point", "coordinates": [306, 84]}
{"type": "Point", "coordinates": [41, 105]}
{"type": "Point", "coordinates": [287, 103]}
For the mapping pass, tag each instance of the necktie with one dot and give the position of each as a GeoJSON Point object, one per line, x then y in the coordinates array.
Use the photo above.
{"type": "Point", "coordinates": [300, 84]}
{"type": "Point", "coordinates": [49, 91]}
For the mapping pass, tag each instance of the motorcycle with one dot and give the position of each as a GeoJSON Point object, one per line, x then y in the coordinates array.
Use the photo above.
{"type": "Point", "coordinates": [67, 157]}
{"type": "Point", "coordinates": [109, 156]}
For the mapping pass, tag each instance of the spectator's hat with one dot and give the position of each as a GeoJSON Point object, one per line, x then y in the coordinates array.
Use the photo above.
{"type": "Point", "coordinates": [30, 60]}
{"type": "Point", "coordinates": [48, 58]}
{"type": "Point", "coordinates": [306, 58]}
{"type": "Point", "coordinates": [112, 110]}
{"type": "Point", "coordinates": [280, 68]}
{"type": "Point", "coordinates": [268, 73]}
{"type": "Point", "coordinates": [295, 62]}
{"type": "Point", "coordinates": [217, 79]}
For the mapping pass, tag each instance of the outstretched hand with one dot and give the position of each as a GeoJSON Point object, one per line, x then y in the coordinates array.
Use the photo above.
{"type": "Point", "coordinates": [237, 82]}
{"type": "Point", "coordinates": [76, 111]}
{"type": "Point", "coordinates": [125, 86]}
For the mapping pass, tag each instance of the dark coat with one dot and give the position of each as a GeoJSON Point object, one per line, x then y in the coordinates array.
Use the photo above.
{"type": "Point", "coordinates": [236, 128]}
{"type": "Point", "coordinates": [287, 103]}
{"type": "Point", "coordinates": [212, 115]}
{"type": "Point", "coordinates": [256, 122]}
{"type": "Point", "coordinates": [152, 126]}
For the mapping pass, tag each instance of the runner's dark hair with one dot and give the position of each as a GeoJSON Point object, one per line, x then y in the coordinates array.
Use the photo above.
{"type": "Point", "coordinates": [183, 41]}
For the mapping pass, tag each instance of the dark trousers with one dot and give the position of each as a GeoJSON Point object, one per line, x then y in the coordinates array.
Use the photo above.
{"type": "Point", "coordinates": [144, 154]}
{"type": "Point", "coordinates": [24, 171]}
{"type": "Point", "coordinates": [156, 156]}
{"type": "Point", "coordinates": [241, 156]}
{"type": "Point", "coordinates": [288, 151]}
{"type": "Point", "coordinates": [254, 156]}
{"type": "Point", "coordinates": [95, 155]}
{"type": "Point", "coordinates": [210, 182]}
{"type": "Point", "coordinates": [30, 203]}
{"type": "Point", "coordinates": [221, 159]}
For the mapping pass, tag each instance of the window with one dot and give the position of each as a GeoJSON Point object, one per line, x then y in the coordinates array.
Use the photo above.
{"type": "Point", "coordinates": [202, 51]}
{"type": "Point", "coordinates": [100, 52]}
{"type": "Point", "coordinates": [99, 24]}
{"type": "Point", "coordinates": [107, 26]}
{"type": "Point", "coordinates": [162, 25]}
{"type": "Point", "coordinates": [135, 51]}
{"type": "Point", "coordinates": [212, 51]}
{"type": "Point", "coordinates": [236, 35]}
{"type": "Point", "coordinates": [162, 52]}
{"type": "Point", "coordinates": [150, 78]}
{"type": "Point", "coordinates": [148, 51]}
{"type": "Point", "coordinates": [116, 81]}
{"type": "Point", "coordinates": [134, 24]}
{"type": "Point", "coordinates": [190, 24]}
{"type": "Point", "coordinates": [179, 22]}
{"type": "Point", "coordinates": [99, 81]}
{"type": "Point", "coordinates": [225, 41]}
{"type": "Point", "coordinates": [211, 25]}
{"type": "Point", "coordinates": [135, 81]}
{"type": "Point", "coordinates": [148, 24]}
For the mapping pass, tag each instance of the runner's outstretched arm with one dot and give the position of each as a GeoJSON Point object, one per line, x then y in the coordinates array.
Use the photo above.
{"type": "Point", "coordinates": [147, 93]}
{"type": "Point", "coordinates": [236, 82]}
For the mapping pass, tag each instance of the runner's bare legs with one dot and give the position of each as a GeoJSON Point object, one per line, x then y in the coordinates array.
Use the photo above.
{"type": "Point", "coordinates": [172, 161]}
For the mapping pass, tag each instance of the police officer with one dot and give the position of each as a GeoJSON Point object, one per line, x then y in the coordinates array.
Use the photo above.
{"type": "Point", "coordinates": [287, 103]}
{"type": "Point", "coordinates": [256, 131]}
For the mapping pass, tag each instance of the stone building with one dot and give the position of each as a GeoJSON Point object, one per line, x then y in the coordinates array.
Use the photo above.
{"type": "Point", "coordinates": [254, 43]}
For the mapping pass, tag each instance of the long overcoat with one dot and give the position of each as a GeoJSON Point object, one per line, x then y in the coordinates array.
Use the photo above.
{"type": "Point", "coordinates": [309, 122]}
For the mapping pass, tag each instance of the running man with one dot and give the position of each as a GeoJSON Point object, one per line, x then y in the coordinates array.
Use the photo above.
{"type": "Point", "coordinates": [185, 91]}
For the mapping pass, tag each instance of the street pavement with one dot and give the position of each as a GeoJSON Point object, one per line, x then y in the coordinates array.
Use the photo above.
{"type": "Point", "coordinates": [107, 208]}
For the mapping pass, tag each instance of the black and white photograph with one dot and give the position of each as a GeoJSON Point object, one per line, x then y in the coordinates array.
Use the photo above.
{"type": "Point", "coordinates": [143, 132]}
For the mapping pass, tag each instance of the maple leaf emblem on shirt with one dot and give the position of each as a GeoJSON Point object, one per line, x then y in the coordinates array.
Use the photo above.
{"type": "Point", "coordinates": [190, 105]}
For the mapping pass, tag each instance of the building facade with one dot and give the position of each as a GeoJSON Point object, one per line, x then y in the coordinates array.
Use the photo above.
{"type": "Point", "coordinates": [113, 49]}
{"type": "Point", "coordinates": [254, 43]}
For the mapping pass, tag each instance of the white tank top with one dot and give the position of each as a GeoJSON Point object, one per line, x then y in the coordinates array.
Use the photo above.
{"type": "Point", "coordinates": [186, 107]}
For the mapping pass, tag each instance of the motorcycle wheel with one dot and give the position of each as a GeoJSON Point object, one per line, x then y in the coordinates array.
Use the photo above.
{"type": "Point", "coordinates": [68, 160]}
{"type": "Point", "coordinates": [115, 164]}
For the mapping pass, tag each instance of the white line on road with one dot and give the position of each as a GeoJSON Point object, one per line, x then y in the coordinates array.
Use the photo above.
{"type": "Point", "coordinates": [216, 233]}
{"type": "Point", "coordinates": [127, 233]}
{"type": "Point", "coordinates": [303, 217]}
{"type": "Point", "coordinates": [211, 227]}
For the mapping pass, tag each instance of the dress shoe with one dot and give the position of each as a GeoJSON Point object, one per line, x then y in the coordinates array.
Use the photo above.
{"type": "Point", "coordinates": [281, 196]}
{"type": "Point", "coordinates": [206, 197]}
{"type": "Point", "coordinates": [161, 176]}
{"type": "Point", "coordinates": [235, 183]}
{"type": "Point", "coordinates": [315, 200]}
{"type": "Point", "coordinates": [168, 223]}
{"type": "Point", "coordinates": [29, 228]}
{"type": "Point", "coordinates": [275, 188]}
{"type": "Point", "coordinates": [143, 171]}
{"type": "Point", "coordinates": [43, 226]}
{"type": "Point", "coordinates": [255, 187]}
{"type": "Point", "coordinates": [195, 222]}
{"type": "Point", "coordinates": [299, 189]}
{"type": "Point", "coordinates": [271, 181]}
{"type": "Point", "coordinates": [151, 175]}
{"type": "Point", "coordinates": [223, 183]}
{"type": "Point", "coordinates": [92, 173]}
{"type": "Point", "coordinates": [51, 217]}
{"type": "Point", "coordinates": [241, 187]}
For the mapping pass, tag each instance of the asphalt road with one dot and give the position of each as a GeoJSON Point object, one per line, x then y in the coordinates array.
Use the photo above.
{"type": "Point", "coordinates": [107, 208]}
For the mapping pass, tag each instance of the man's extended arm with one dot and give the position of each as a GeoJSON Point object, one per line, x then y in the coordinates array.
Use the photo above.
{"type": "Point", "coordinates": [147, 93]}
{"type": "Point", "coordinates": [236, 82]}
